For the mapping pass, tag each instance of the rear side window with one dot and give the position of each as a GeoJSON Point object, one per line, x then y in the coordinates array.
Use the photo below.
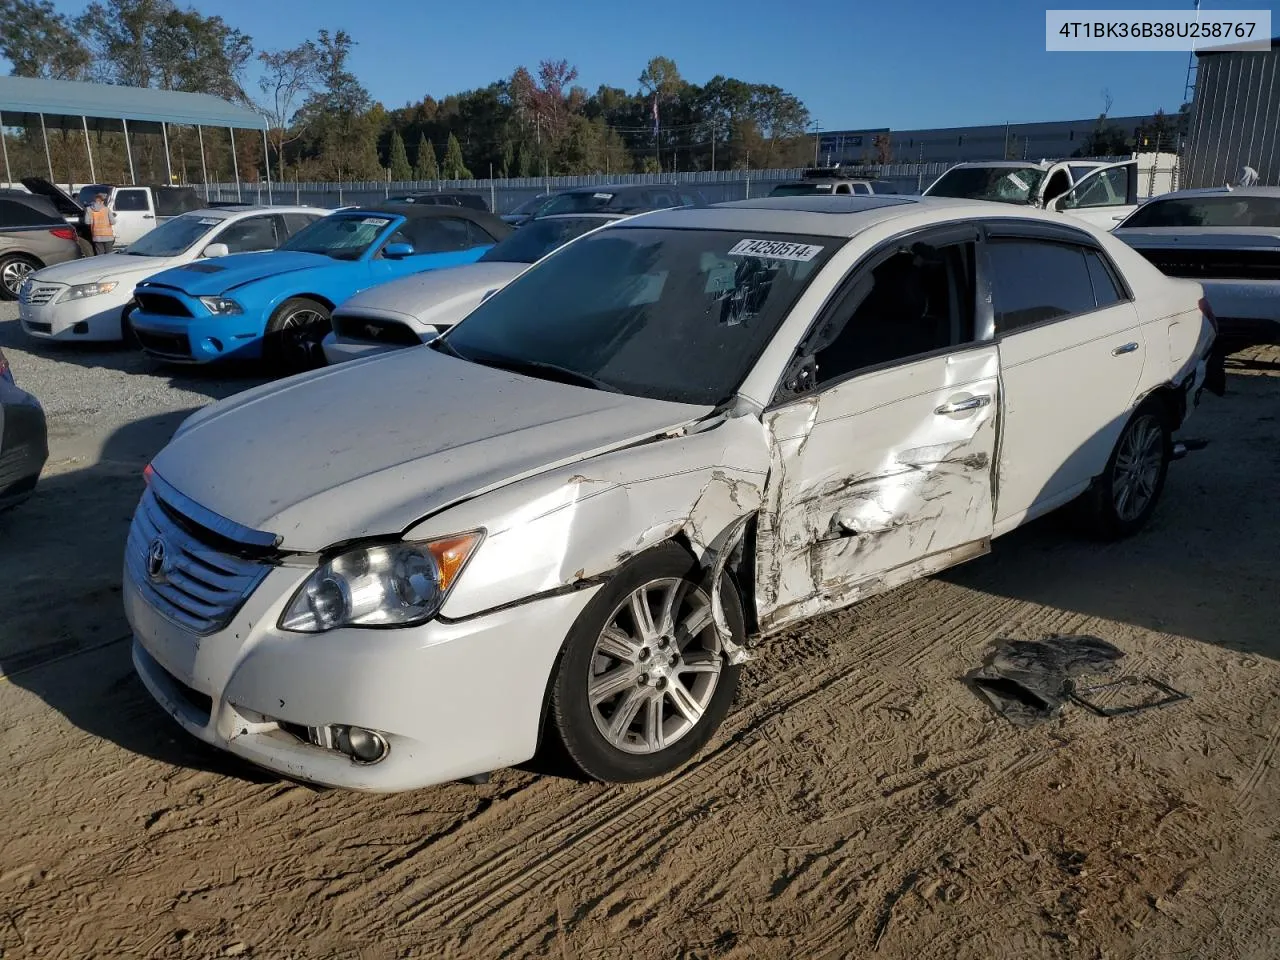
{"type": "Point", "coordinates": [131, 201]}
{"type": "Point", "coordinates": [1037, 281]}
{"type": "Point", "coordinates": [1105, 291]}
{"type": "Point", "coordinates": [435, 234]}
{"type": "Point", "coordinates": [14, 214]}
{"type": "Point", "coordinates": [296, 221]}
{"type": "Point", "coordinates": [249, 235]}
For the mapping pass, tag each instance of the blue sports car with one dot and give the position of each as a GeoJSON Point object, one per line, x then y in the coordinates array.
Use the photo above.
{"type": "Point", "coordinates": [276, 305]}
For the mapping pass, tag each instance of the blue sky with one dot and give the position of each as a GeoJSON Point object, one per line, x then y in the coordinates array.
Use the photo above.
{"type": "Point", "coordinates": [899, 64]}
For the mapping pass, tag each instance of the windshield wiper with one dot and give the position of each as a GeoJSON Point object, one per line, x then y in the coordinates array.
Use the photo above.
{"type": "Point", "coordinates": [549, 370]}
{"type": "Point", "coordinates": [442, 345]}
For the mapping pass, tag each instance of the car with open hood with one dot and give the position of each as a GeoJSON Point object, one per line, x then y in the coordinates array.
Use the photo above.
{"type": "Point", "coordinates": [416, 567]}
{"type": "Point", "coordinates": [92, 298]}
{"type": "Point", "coordinates": [1226, 239]}
{"type": "Point", "coordinates": [277, 305]}
{"type": "Point", "coordinates": [413, 310]}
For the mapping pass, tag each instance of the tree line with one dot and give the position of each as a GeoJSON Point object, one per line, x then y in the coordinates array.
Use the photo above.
{"type": "Point", "coordinates": [324, 124]}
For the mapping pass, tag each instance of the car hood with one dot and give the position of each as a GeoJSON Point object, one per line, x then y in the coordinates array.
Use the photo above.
{"type": "Point", "coordinates": [369, 447]}
{"type": "Point", "coordinates": [112, 266]}
{"type": "Point", "coordinates": [218, 275]}
{"type": "Point", "coordinates": [435, 298]}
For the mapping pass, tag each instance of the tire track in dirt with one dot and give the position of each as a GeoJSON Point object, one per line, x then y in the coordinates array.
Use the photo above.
{"type": "Point", "coordinates": [543, 859]}
{"type": "Point", "coordinates": [1245, 797]}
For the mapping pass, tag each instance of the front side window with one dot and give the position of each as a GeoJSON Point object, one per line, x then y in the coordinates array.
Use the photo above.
{"type": "Point", "coordinates": [174, 236]}
{"type": "Point", "coordinates": [1035, 281]}
{"type": "Point", "coordinates": [131, 201]}
{"type": "Point", "coordinates": [340, 236]}
{"type": "Point", "coordinates": [436, 235]}
{"type": "Point", "coordinates": [1214, 211]}
{"type": "Point", "coordinates": [1003, 184]}
{"type": "Point", "coordinates": [916, 302]}
{"type": "Point", "coordinates": [249, 235]}
{"type": "Point", "coordinates": [1106, 189]}
{"type": "Point", "coordinates": [679, 315]}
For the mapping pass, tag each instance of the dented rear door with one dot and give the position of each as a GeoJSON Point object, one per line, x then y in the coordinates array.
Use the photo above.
{"type": "Point", "coordinates": [877, 480]}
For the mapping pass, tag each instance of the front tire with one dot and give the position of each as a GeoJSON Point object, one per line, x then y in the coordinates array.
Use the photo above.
{"type": "Point", "coordinates": [1124, 497]}
{"type": "Point", "coordinates": [293, 336]}
{"type": "Point", "coordinates": [643, 681]}
{"type": "Point", "coordinates": [14, 270]}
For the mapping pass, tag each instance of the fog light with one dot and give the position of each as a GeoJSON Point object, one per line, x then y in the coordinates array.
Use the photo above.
{"type": "Point", "coordinates": [81, 327]}
{"type": "Point", "coordinates": [361, 745]}
{"type": "Point", "coordinates": [213, 344]}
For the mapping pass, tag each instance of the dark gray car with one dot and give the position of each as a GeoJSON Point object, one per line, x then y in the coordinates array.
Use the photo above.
{"type": "Point", "coordinates": [30, 239]}
{"type": "Point", "coordinates": [24, 443]}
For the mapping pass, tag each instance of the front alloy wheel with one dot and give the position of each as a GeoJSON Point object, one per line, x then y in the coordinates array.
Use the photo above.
{"type": "Point", "coordinates": [643, 681]}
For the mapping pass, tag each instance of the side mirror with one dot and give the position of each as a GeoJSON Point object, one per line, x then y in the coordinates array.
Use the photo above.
{"type": "Point", "coordinates": [488, 294]}
{"type": "Point", "coordinates": [216, 250]}
{"type": "Point", "coordinates": [429, 333]}
{"type": "Point", "coordinates": [397, 251]}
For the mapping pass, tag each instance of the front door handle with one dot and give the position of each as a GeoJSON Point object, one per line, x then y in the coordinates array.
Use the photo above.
{"type": "Point", "coordinates": [1122, 350]}
{"type": "Point", "coordinates": [148, 216]}
{"type": "Point", "coordinates": [960, 406]}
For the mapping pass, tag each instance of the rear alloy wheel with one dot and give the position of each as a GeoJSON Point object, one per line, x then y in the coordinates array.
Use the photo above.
{"type": "Point", "coordinates": [1125, 496]}
{"type": "Point", "coordinates": [294, 334]}
{"type": "Point", "coordinates": [14, 271]}
{"type": "Point", "coordinates": [644, 682]}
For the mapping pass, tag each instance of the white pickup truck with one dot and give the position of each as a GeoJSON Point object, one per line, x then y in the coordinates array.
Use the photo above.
{"type": "Point", "coordinates": [138, 209]}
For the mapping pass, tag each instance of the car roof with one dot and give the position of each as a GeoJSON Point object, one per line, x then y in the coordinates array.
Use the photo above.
{"type": "Point", "coordinates": [616, 188]}
{"type": "Point", "coordinates": [251, 208]}
{"type": "Point", "coordinates": [841, 216]}
{"type": "Point", "coordinates": [586, 215]}
{"type": "Point", "coordinates": [1010, 164]}
{"type": "Point", "coordinates": [1219, 192]}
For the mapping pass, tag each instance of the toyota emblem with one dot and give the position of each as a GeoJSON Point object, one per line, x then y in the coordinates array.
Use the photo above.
{"type": "Point", "coordinates": [156, 557]}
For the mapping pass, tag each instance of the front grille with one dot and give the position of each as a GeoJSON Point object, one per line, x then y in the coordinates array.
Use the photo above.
{"type": "Point", "coordinates": [38, 293]}
{"type": "Point", "coordinates": [372, 330]}
{"type": "Point", "coordinates": [200, 586]}
{"type": "Point", "coordinates": [160, 304]}
{"type": "Point", "coordinates": [1216, 264]}
{"type": "Point", "coordinates": [165, 344]}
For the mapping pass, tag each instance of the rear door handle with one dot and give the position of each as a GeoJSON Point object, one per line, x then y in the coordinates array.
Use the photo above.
{"type": "Point", "coordinates": [1129, 347]}
{"type": "Point", "coordinates": [960, 406]}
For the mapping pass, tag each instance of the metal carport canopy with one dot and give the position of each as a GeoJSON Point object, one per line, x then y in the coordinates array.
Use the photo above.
{"type": "Point", "coordinates": [70, 103]}
{"type": "Point", "coordinates": [67, 104]}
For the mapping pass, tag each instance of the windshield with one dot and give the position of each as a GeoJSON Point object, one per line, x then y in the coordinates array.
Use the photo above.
{"type": "Point", "coordinates": [530, 207]}
{"type": "Point", "coordinates": [174, 236]}
{"type": "Point", "coordinates": [342, 237]}
{"type": "Point", "coordinates": [539, 237]}
{"type": "Point", "coordinates": [1225, 211]}
{"type": "Point", "coordinates": [579, 203]}
{"type": "Point", "coordinates": [801, 189]}
{"type": "Point", "coordinates": [678, 315]}
{"type": "Point", "coordinates": [1005, 184]}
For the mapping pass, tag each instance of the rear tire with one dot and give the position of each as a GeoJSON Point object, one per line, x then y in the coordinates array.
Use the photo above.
{"type": "Point", "coordinates": [14, 270]}
{"type": "Point", "coordinates": [292, 341]}
{"type": "Point", "coordinates": [1124, 497]}
{"type": "Point", "coordinates": [637, 695]}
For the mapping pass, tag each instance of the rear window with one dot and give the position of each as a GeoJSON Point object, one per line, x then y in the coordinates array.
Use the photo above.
{"type": "Point", "coordinates": [1218, 211]}
{"type": "Point", "coordinates": [15, 214]}
{"type": "Point", "coordinates": [801, 189]}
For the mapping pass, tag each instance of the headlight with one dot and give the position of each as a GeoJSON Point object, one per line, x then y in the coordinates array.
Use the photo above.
{"type": "Point", "coordinates": [222, 306]}
{"type": "Point", "coordinates": [386, 585]}
{"type": "Point", "coordinates": [81, 290]}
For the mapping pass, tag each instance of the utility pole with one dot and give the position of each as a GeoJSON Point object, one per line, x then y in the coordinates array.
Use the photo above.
{"type": "Point", "coordinates": [816, 128]}
{"type": "Point", "coordinates": [713, 146]}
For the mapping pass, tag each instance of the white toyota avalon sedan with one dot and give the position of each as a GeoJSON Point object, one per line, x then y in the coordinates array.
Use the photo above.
{"type": "Point", "coordinates": [572, 514]}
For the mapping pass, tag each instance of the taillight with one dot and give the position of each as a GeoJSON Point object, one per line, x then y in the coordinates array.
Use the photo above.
{"type": "Point", "coordinates": [64, 233]}
{"type": "Point", "coordinates": [5, 373]}
{"type": "Point", "coordinates": [147, 473]}
{"type": "Point", "coordinates": [1208, 313]}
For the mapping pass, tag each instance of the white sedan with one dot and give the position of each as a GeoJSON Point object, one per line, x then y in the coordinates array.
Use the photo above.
{"type": "Point", "coordinates": [90, 299]}
{"type": "Point", "coordinates": [414, 309]}
{"type": "Point", "coordinates": [571, 515]}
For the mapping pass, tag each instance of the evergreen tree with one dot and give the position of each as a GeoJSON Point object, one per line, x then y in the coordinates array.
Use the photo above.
{"type": "Point", "coordinates": [524, 164]}
{"type": "Point", "coordinates": [454, 168]}
{"type": "Point", "coordinates": [398, 159]}
{"type": "Point", "coordinates": [426, 168]}
{"type": "Point", "coordinates": [508, 159]}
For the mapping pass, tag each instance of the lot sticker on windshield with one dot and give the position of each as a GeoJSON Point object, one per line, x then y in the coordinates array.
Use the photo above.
{"type": "Point", "coordinates": [208, 221]}
{"type": "Point", "coordinates": [775, 250]}
{"type": "Point", "coordinates": [1019, 182]}
{"type": "Point", "coordinates": [603, 196]}
{"type": "Point", "coordinates": [374, 221]}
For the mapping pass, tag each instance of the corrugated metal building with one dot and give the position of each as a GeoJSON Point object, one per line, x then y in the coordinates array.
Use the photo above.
{"type": "Point", "coordinates": [1235, 117]}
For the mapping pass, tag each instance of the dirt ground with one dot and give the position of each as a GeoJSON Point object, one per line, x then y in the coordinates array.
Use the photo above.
{"type": "Point", "coordinates": [859, 801]}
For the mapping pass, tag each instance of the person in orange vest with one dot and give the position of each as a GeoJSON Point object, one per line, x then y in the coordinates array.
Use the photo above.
{"type": "Point", "coordinates": [100, 222]}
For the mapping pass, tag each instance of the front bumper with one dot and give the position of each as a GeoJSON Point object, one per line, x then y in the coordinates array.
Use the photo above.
{"type": "Point", "coordinates": [452, 699]}
{"type": "Point", "coordinates": [339, 351]}
{"type": "Point", "coordinates": [200, 337]}
{"type": "Point", "coordinates": [85, 319]}
{"type": "Point", "coordinates": [24, 445]}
